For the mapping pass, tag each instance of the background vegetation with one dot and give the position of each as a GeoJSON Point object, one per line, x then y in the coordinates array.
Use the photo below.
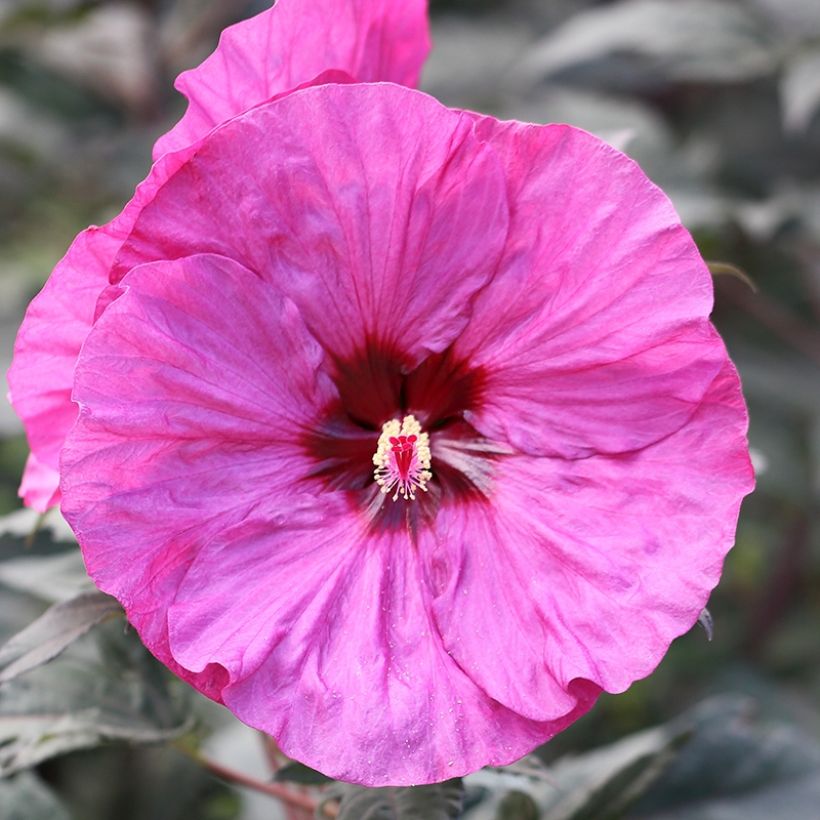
{"type": "Point", "coordinates": [720, 103]}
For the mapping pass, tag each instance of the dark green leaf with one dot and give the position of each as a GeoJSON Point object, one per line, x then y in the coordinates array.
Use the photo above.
{"type": "Point", "coordinates": [517, 806]}
{"type": "Point", "coordinates": [299, 773]}
{"type": "Point", "coordinates": [598, 785]}
{"type": "Point", "coordinates": [603, 783]}
{"type": "Point", "coordinates": [51, 633]}
{"type": "Point", "coordinates": [738, 767]}
{"type": "Point", "coordinates": [441, 801]}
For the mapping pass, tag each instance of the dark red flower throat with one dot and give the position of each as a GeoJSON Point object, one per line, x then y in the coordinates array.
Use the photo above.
{"type": "Point", "coordinates": [377, 386]}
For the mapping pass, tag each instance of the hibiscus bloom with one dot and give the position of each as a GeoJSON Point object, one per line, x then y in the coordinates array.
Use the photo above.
{"type": "Point", "coordinates": [404, 432]}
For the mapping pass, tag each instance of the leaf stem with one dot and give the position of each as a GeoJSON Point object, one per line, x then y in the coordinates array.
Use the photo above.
{"type": "Point", "coordinates": [276, 790]}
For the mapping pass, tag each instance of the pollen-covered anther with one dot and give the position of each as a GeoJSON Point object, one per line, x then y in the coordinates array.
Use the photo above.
{"type": "Point", "coordinates": [402, 459]}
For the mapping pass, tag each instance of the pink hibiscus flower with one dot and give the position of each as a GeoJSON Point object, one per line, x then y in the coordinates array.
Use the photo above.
{"type": "Point", "coordinates": [403, 432]}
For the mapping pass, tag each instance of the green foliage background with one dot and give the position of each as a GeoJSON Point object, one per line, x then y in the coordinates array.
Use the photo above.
{"type": "Point", "coordinates": [719, 100]}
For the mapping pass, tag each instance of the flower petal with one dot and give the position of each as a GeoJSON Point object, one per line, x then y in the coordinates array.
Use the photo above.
{"type": "Point", "coordinates": [291, 45]}
{"type": "Point", "coordinates": [588, 569]}
{"type": "Point", "coordinates": [191, 412]}
{"type": "Point", "coordinates": [373, 207]}
{"type": "Point", "coordinates": [326, 633]}
{"type": "Point", "coordinates": [604, 342]}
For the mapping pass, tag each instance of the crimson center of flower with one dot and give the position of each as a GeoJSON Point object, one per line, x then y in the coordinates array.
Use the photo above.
{"type": "Point", "coordinates": [402, 459]}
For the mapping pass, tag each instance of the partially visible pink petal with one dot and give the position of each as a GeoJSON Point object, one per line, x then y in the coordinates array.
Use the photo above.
{"type": "Point", "coordinates": [373, 207]}
{"type": "Point", "coordinates": [40, 487]}
{"type": "Point", "coordinates": [588, 569]}
{"type": "Point", "coordinates": [594, 335]}
{"type": "Point", "coordinates": [42, 371]}
{"type": "Point", "coordinates": [55, 326]}
{"type": "Point", "coordinates": [289, 46]}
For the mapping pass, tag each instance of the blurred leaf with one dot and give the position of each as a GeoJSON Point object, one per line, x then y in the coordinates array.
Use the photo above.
{"type": "Point", "coordinates": [55, 630]}
{"type": "Point", "coordinates": [104, 687]}
{"type": "Point", "coordinates": [107, 50]}
{"type": "Point", "coordinates": [469, 66]}
{"type": "Point", "coordinates": [737, 768]}
{"type": "Point", "coordinates": [517, 806]}
{"type": "Point", "coordinates": [604, 783]}
{"type": "Point", "coordinates": [299, 773]}
{"type": "Point", "coordinates": [644, 44]}
{"type": "Point", "coordinates": [26, 530]}
{"type": "Point", "coordinates": [716, 760]}
{"type": "Point", "coordinates": [29, 136]}
{"type": "Point", "coordinates": [42, 12]}
{"type": "Point", "coordinates": [597, 785]}
{"type": "Point", "coordinates": [799, 18]}
{"type": "Point", "coordinates": [651, 143]}
{"type": "Point", "coordinates": [48, 577]}
{"type": "Point", "coordinates": [800, 91]}
{"type": "Point", "coordinates": [39, 556]}
{"type": "Point", "coordinates": [440, 801]}
{"type": "Point", "coordinates": [529, 766]}
{"type": "Point", "coordinates": [26, 797]}
{"type": "Point", "coordinates": [716, 750]}
{"type": "Point", "coordinates": [53, 93]}
{"type": "Point", "coordinates": [779, 382]}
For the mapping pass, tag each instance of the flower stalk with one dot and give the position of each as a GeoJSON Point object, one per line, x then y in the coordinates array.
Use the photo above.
{"type": "Point", "coordinates": [290, 798]}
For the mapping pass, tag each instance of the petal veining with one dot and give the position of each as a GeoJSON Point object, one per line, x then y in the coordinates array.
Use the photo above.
{"type": "Point", "coordinates": [604, 342]}
{"type": "Point", "coordinates": [376, 209]}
